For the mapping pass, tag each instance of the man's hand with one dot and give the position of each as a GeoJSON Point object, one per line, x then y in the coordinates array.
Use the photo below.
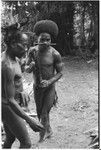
{"type": "Point", "coordinates": [30, 68]}
{"type": "Point", "coordinates": [32, 64]}
{"type": "Point", "coordinates": [45, 83]}
{"type": "Point", "coordinates": [27, 69]}
{"type": "Point", "coordinates": [35, 126]}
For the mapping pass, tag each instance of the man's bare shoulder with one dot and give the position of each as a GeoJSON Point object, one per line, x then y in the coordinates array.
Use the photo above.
{"type": "Point", "coordinates": [56, 54]}
{"type": "Point", "coordinates": [5, 62]}
{"type": "Point", "coordinates": [7, 72]}
{"type": "Point", "coordinates": [3, 56]}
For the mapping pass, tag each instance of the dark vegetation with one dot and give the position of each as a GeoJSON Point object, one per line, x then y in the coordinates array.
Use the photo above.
{"type": "Point", "coordinates": [78, 23]}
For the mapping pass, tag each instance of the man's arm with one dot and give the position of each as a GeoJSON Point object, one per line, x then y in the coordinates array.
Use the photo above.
{"type": "Point", "coordinates": [31, 67]}
{"type": "Point", "coordinates": [30, 64]}
{"type": "Point", "coordinates": [9, 88]}
{"type": "Point", "coordinates": [58, 67]}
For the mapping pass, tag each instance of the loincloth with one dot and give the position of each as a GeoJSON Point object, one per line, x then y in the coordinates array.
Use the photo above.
{"type": "Point", "coordinates": [37, 89]}
{"type": "Point", "coordinates": [45, 99]}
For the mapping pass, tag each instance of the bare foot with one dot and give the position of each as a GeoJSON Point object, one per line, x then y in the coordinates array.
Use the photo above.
{"type": "Point", "coordinates": [45, 135]}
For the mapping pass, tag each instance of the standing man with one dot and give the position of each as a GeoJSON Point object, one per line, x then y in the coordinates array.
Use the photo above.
{"type": "Point", "coordinates": [13, 115]}
{"type": "Point", "coordinates": [46, 64]}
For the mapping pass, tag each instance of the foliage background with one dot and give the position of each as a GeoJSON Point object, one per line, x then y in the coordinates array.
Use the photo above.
{"type": "Point", "coordinates": [78, 23]}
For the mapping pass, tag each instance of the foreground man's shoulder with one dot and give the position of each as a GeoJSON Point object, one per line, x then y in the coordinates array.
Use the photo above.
{"type": "Point", "coordinates": [3, 56]}
{"type": "Point", "coordinates": [5, 62]}
{"type": "Point", "coordinates": [7, 71]}
{"type": "Point", "coordinates": [5, 65]}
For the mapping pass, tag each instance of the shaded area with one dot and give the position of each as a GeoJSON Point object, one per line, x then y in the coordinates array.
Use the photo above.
{"type": "Point", "coordinates": [77, 109]}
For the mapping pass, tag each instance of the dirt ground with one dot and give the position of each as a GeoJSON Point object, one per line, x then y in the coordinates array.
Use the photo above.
{"type": "Point", "coordinates": [77, 109]}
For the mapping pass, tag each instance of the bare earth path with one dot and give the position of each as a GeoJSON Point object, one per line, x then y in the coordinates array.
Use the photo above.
{"type": "Point", "coordinates": [77, 109]}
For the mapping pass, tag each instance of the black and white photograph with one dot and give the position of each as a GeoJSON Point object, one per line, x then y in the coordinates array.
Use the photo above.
{"type": "Point", "coordinates": [50, 74]}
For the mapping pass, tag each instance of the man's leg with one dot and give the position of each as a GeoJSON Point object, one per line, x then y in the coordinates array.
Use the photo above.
{"type": "Point", "coordinates": [10, 138]}
{"type": "Point", "coordinates": [16, 126]}
{"type": "Point", "coordinates": [38, 96]}
{"type": "Point", "coordinates": [48, 101]}
{"type": "Point", "coordinates": [49, 129]}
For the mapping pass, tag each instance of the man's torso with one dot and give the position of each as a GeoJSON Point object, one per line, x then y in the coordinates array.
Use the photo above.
{"type": "Point", "coordinates": [44, 62]}
{"type": "Point", "coordinates": [16, 71]}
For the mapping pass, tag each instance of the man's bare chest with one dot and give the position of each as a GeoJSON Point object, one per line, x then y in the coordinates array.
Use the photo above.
{"type": "Point", "coordinates": [46, 59]}
{"type": "Point", "coordinates": [17, 77]}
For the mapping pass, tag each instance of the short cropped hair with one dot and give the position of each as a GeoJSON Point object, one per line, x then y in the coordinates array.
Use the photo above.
{"type": "Point", "coordinates": [12, 36]}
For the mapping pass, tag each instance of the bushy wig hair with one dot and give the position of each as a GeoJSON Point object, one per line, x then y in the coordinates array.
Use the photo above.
{"type": "Point", "coordinates": [46, 26]}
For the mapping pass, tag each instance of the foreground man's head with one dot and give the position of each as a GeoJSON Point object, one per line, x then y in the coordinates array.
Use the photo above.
{"type": "Point", "coordinates": [16, 42]}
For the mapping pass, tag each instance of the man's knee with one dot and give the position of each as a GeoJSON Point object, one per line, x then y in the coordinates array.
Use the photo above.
{"type": "Point", "coordinates": [8, 142]}
{"type": "Point", "coordinates": [26, 144]}
{"type": "Point", "coordinates": [44, 118]}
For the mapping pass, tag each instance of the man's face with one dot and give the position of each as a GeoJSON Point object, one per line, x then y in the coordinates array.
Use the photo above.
{"type": "Point", "coordinates": [44, 38]}
{"type": "Point", "coordinates": [19, 48]}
